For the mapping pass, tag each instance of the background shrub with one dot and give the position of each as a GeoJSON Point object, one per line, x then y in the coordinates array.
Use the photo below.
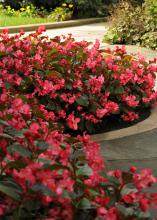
{"type": "Point", "coordinates": [61, 13]}
{"type": "Point", "coordinates": [134, 25]}
{"type": "Point", "coordinates": [86, 8]}
{"type": "Point", "coordinates": [48, 4]}
{"type": "Point", "coordinates": [82, 8]}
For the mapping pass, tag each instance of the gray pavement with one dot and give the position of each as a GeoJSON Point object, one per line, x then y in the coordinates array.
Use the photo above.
{"type": "Point", "coordinates": [89, 32]}
{"type": "Point", "coordinates": [139, 150]}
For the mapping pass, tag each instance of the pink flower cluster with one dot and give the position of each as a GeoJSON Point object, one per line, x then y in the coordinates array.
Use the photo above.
{"type": "Point", "coordinates": [75, 85]}
{"type": "Point", "coordinates": [46, 85]}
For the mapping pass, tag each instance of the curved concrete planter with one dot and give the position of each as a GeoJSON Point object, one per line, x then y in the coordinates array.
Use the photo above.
{"type": "Point", "coordinates": [54, 25]}
{"type": "Point", "coordinates": [146, 125]}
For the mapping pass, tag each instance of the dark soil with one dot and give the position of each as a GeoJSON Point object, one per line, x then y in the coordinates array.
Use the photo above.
{"type": "Point", "coordinates": [112, 123]}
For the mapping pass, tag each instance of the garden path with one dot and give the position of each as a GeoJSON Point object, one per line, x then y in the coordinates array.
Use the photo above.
{"type": "Point", "coordinates": [88, 32]}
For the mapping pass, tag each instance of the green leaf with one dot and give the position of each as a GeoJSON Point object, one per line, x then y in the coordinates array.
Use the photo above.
{"type": "Point", "coordinates": [17, 148]}
{"type": "Point", "coordinates": [84, 204]}
{"type": "Point", "coordinates": [9, 182]}
{"type": "Point", "coordinates": [94, 192]}
{"type": "Point", "coordinates": [83, 100]}
{"type": "Point", "coordinates": [145, 215]}
{"type": "Point", "coordinates": [126, 211]}
{"type": "Point", "coordinates": [52, 167]}
{"type": "Point", "coordinates": [111, 179]}
{"type": "Point", "coordinates": [90, 126]}
{"type": "Point", "coordinates": [31, 205]}
{"type": "Point", "coordinates": [63, 146]}
{"type": "Point", "coordinates": [14, 132]}
{"type": "Point", "coordinates": [44, 160]}
{"type": "Point", "coordinates": [8, 85]}
{"type": "Point", "coordinates": [3, 135]}
{"type": "Point", "coordinates": [53, 73]}
{"type": "Point", "coordinates": [69, 86]}
{"type": "Point", "coordinates": [23, 98]}
{"type": "Point", "coordinates": [125, 190]}
{"type": "Point", "coordinates": [10, 191]}
{"type": "Point", "coordinates": [42, 189]}
{"type": "Point", "coordinates": [2, 122]}
{"type": "Point", "coordinates": [84, 171]}
{"type": "Point", "coordinates": [2, 54]}
{"type": "Point", "coordinates": [53, 51]}
{"type": "Point", "coordinates": [42, 145]}
{"type": "Point", "coordinates": [16, 164]}
{"type": "Point", "coordinates": [119, 90]}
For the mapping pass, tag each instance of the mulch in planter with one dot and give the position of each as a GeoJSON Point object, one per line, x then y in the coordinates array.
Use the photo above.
{"type": "Point", "coordinates": [85, 214]}
{"type": "Point", "coordinates": [114, 122]}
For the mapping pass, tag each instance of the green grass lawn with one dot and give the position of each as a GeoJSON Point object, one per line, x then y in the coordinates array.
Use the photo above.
{"type": "Point", "coordinates": [13, 21]}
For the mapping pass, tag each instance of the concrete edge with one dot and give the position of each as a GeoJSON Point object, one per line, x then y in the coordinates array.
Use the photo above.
{"type": "Point", "coordinates": [147, 125]}
{"type": "Point", "coordinates": [54, 25]}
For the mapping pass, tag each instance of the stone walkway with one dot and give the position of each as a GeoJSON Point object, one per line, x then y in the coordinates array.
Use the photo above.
{"type": "Point", "coordinates": [139, 150]}
{"type": "Point", "coordinates": [88, 32]}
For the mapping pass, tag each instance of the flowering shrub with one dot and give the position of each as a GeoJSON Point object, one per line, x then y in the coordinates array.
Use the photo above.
{"type": "Point", "coordinates": [82, 8]}
{"type": "Point", "coordinates": [62, 13]}
{"type": "Point", "coordinates": [24, 11]}
{"type": "Point", "coordinates": [28, 10]}
{"type": "Point", "coordinates": [47, 175]}
{"type": "Point", "coordinates": [74, 85]}
{"type": "Point", "coordinates": [44, 173]}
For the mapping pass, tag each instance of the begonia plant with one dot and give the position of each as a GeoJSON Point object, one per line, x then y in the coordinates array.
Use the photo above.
{"type": "Point", "coordinates": [47, 174]}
